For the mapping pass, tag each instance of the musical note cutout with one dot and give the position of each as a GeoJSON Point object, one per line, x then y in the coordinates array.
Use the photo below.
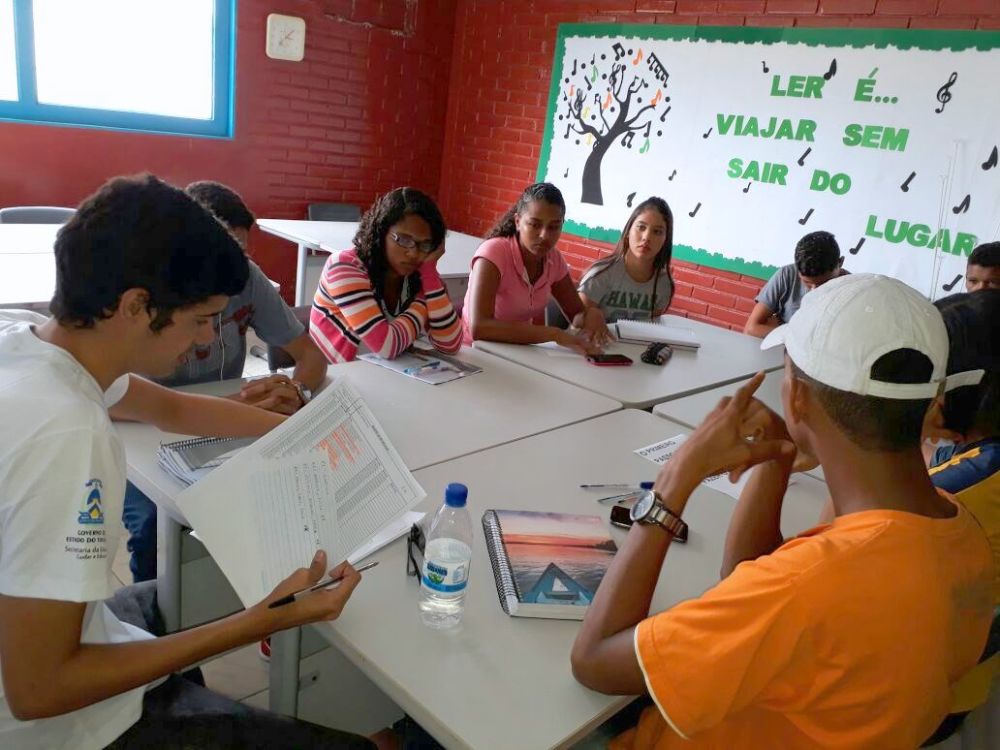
{"type": "Point", "coordinates": [832, 71]}
{"type": "Point", "coordinates": [574, 67]}
{"type": "Point", "coordinates": [805, 218]}
{"type": "Point", "coordinates": [628, 201]}
{"type": "Point", "coordinates": [692, 213]}
{"type": "Point", "coordinates": [992, 161]}
{"type": "Point", "coordinates": [572, 90]}
{"type": "Point", "coordinates": [857, 248]}
{"type": "Point", "coordinates": [665, 113]}
{"type": "Point", "coordinates": [593, 75]}
{"type": "Point", "coordinates": [905, 187]}
{"type": "Point", "coordinates": [707, 134]}
{"type": "Point", "coordinates": [638, 58]}
{"type": "Point", "coordinates": [747, 188]}
{"type": "Point", "coordinates": [645, 147]}
{"type": "Point", "coordinates": [569, 126]}
{"type": "Point", "coordinates": [589, 84]}
{"type": "Point", "coordinates": [802, 159]}
{"type": "Point", "coordinates": [607, 102]}
{"type": "Point", "coordinates": [672, 176]}
{"type": "Point", "coordinates": [659, 70]}
{"type": "Point", "coordinates": [763, 64]}
{"type": "Point", "coordinates": [656, 99]}
{"type": "Point", "coordinates": [593, 59]}
{"type": "Point", "coordinates": [951, 284]}
{"type": "Point", "coordinates": [963, 207]}
{"type": "Point", "coordinates": [586, 112]}
{"type": "Point", "coordinates": [648, 126]}
{"type": "Point", "coordinates": [627, 140]}
{"type": "Point", "coordinates": [567, 173]}
{"type": "Point", "coordinates": [944, 93]}
{"type": "Point", "coordinates": [619, 51]}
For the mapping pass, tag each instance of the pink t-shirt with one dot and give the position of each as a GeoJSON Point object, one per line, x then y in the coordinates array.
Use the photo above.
{"type": "Point", "coordinates": [517, 300]}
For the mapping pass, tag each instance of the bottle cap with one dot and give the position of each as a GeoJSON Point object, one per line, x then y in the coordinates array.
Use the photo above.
{"type": "Point", "coordinates": [645, 485]}
{"type": "Point", "coordinates": [455, 495]}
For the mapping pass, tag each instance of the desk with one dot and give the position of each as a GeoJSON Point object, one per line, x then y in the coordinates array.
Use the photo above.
{"type": "Point", "coordinates": [724, 357]}
{"type": "Point", "coordinates": [27, 265]}
{"type": "Point", "coordinates": [28, 238]}
{"type": "Point", "coordinates": [501, 682]}
{"type": "Point", "coordinates": [335, 236]}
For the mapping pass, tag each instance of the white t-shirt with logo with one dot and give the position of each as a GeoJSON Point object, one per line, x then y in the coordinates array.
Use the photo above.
{"type": "Point", "coordinates": [62, 484]}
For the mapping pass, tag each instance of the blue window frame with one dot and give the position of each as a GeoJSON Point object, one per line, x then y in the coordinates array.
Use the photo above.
{"type": "Point", "coordinates": [47, 93]}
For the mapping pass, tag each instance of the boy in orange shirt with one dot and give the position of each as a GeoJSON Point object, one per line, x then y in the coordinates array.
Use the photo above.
{"type": "Point", "coordinates": [849, 635]}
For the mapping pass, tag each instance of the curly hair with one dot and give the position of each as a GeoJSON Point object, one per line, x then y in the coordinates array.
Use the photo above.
{"type": "Point", "coordinates": [539, 191]}
{"type": "Point", "coordinates": [141, 233]}
{"type": "Point", "coordinates": [816, 254]}
{"type": "Point", "coordinates": [661, 263]}
{"type": "Point", "coordinates": [986, 255]}
{"type": "Point", "coordinates": [224, 202]}
{"type": "Point", "coordinates": [388, 209]}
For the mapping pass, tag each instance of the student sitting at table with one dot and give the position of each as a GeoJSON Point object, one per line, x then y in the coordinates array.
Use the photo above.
{"type": "Point", "coordinates": [385, 292]}
{"type": "Point", "coordinates": [257, 305]}
{"type": "Point", "coordinates": [969, 467]}
{"type": "Point", "coordinates": [518, 269]}
{"type": "Point", "coordinates": [634, 282]}
{"type": "Point", "coordinates": [817, 260]}
{"type": "Point", "coordinates": [983, 269]}
{"type": "Point", "coordinates": [848, 635]}
{"type": "Point", "coordinates": [142, 271]}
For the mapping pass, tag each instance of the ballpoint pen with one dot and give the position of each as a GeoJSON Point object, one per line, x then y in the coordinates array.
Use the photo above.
{"type": "Point", "coordinates": [640, 486]}
{"type": "Point", "coordinates": [295, 596]}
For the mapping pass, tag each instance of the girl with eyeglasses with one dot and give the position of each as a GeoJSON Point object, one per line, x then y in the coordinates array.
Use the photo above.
{"type": "Point", "coordinates": [518, 269]}
{"type": "Point", "coordinates": [386, 291]}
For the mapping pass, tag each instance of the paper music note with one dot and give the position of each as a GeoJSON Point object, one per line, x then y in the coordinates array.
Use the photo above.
{"type": "Point", "coordinates": [568, 128]}
{"type": "Point", "coordinates": [574, 67]}
{"type": "Point", "coordinates": [944, 93]}
{"type": "Point", "coordinates": [645, 147]}
{"type": "Point", "coordinates": [593, 74]}
{"type": "Point", "coordinates": [747, 188]}
{"type": "Point", "coordinates": [656, 99]}
{"type": "Point", "coordinates": [587, 81]}
{"type": "Point", "coordinates": [905, 187]}
{"type": "Point", "coordinates": [802, 159]}
{"type": "Point", "coordinates": [963, 207]}
{"type": "Point", "coordinates": [832, 71]}
{"type": "Point", "coordinates": [607, 102]}
{"type": "Point", "coordinates": [618, 50]}
{"type": "Point", "coordinates": [627, 140]}
{"type": "Point", "coordinates": [672, 175]}
{"type": "Point", "coordinates": [572, 90]}
{"type": "Point", "coordinates": [854, 250]}
{"type": "Point", "coordinates": [708, 133]}
{"type": "Point", "coordinates": [951, 284]}
{"type": "Point", "coordinates": [628, 201]}
{"type": "Point", "coordinates": [763, 64]}
{"type": "Point", "coordinates": [593, 58]}
{"type": "Point", "coordinates": [648, 126]}
{"type": "Point", "coordinates": [567, 173]}
{"type": "Point", "coordinates": [992, 161]}
{"type": "Point", "coordinates": [692, 213]}
{"type": "Point", "coordinates": [805, 218]}
{"type": "Point", "coordinates": [664, 115]}
{"type": "Point", "coordinates": [638, 57]}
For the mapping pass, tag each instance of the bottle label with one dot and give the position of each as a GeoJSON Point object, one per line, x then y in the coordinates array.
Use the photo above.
{"type": "Point", "coordinates": [445, 578]}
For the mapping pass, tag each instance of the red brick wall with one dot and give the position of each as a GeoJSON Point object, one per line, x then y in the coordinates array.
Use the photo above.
{"type": "Point", "coordinates": [341, 126]}
{"type": "Point", "coordinates": [500, 76]}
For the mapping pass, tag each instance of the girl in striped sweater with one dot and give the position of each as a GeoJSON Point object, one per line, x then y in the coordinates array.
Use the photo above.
{"type": "Point", "coordinates": [386, 291]}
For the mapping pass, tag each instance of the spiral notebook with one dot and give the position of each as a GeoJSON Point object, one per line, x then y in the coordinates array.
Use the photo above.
{"type": "Point", "coordinates": [547, 564]}
{"type": "Point", "coordinates": [645, 332]}
{"type": "Point", "coordinates": [190, 460]}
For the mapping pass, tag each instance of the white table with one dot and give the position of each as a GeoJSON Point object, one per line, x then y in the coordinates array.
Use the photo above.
{"type": "Point", "coordinates": [27, 265]}
{"type": "Point", "coordinates": [504, 682]}
{"type": "Point", "coordinates": [724, 357]}
{"type": "Point", "coordinates": [688, 412]}
{"type": "Point", "coordinates": [335, 236]}
{"type": "Point", "coordinates": [28, 238]}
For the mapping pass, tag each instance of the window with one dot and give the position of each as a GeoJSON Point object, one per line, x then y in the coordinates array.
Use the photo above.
{"type": "Point", "coordinates": [155, 65]}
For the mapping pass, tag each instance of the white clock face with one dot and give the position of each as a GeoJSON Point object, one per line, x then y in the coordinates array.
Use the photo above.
{"type": "Point", "coordinates": [286, 37]}
{"type": "Point", "coordinates": [643, 505]}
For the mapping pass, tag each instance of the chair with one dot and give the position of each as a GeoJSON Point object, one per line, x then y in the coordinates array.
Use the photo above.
{"type": "Point", "coordinates": [333, 212]}
{"type": "Point", "coordinates": [278, 358]}
{"type": "Point", "coordinates": [554, 315]}
{"type": "Point", "coordinates": [35, 215]}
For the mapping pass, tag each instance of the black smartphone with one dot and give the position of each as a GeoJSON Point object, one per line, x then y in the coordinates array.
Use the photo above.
{"type": "Point", "coordinates": [609, 360]}
{"type": "Point", "coordinates": [621, 516]}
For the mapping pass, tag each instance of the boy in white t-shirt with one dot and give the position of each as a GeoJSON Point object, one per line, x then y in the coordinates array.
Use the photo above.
{"type": "Point", "coordinates": [142, 270]}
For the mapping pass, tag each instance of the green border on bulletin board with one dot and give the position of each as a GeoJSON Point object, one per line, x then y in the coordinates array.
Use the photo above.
{"type": "Point", "coordinates": [879, 38]}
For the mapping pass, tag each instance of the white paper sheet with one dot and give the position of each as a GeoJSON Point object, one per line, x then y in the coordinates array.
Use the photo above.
{"type": "Point", "coordinates": [327, 478]}
{"type": "Point", "coordinates": [663, 451]}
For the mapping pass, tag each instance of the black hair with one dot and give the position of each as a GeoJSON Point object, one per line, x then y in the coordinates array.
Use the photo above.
{"type": "Point", "coordinates": [973, 323]}
{"type": "Point", "coordinates": [374, 227]}
{"type": "Point", "coordinates": [986, 255]}
{"type": "Point", "coordinates": [539, 191]}
{"type": "Point", "coordinates": [661, 263]}
{"type": "Point", "coordinates": [816, 254]}
{"type": "Point", "coordinates": [872, 422]}
{"type": "Point", "coordinates": [224, 202]}
{"type": "Point", "coordinates": [141, 233]}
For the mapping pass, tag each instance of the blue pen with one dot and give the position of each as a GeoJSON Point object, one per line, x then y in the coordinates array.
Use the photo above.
{"type": "Point", "coordinates": [422, 368]}
{"type": "Point", "coordinates": [643, 486]}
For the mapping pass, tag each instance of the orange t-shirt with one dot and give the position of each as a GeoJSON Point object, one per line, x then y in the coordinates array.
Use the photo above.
{"type": "Point", "coordinates": [849, 636]}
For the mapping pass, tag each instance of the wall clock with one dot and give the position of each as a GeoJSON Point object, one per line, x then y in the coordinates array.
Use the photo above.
{"type": "Point", "coordinates": [286, 37]}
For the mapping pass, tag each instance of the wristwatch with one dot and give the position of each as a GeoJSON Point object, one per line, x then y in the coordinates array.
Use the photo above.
{"type": "Point", "coordinates": [305, 395]}
{"type": "Point", "coordinates": [649, 508]}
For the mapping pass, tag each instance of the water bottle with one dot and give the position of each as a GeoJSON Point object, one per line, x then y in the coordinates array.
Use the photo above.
{"type": "Point", "coordinates": [447, 556]}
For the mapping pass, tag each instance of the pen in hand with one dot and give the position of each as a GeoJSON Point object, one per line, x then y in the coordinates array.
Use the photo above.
{"type": "Point", "coordinates": [295, 596]}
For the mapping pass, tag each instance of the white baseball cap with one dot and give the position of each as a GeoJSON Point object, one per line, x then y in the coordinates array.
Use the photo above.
{"type": "Point", "coordinates": [844, 326]}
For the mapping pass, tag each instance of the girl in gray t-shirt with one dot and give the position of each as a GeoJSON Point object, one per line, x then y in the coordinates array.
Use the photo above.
{"type": "Point", "coordinates": [634, 282]}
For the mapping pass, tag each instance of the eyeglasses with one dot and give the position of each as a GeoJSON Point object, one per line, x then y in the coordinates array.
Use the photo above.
{"type": "Point", "coordinates": [414, 550]}
{"type": "Point", "coordinates": [424, 247]}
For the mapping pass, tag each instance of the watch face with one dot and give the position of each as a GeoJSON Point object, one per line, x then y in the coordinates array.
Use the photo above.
{"type": "Point", "coordinates": [643, 505]}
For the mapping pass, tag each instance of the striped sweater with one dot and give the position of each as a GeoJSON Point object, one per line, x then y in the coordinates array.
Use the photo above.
{"type": "Point", "coordinates": [345, 313]}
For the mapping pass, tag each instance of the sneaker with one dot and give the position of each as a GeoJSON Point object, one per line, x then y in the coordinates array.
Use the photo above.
{"type": "Point", "coordinates": [264, 649]}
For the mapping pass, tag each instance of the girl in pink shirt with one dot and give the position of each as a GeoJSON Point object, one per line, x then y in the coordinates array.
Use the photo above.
{"type": "Point", "coordinates": [515, 272]}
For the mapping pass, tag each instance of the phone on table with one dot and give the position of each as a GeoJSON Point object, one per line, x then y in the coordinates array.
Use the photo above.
{"type": "Point", "coordinates": [609, 360]}
{"type": "Point", "coordinates": [621, 516]}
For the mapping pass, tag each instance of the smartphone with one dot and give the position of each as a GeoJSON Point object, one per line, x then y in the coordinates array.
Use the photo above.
{"type": "Point", "coordinates": [621, 516]}
{"type": "Point", "coordinates": [609, 360]}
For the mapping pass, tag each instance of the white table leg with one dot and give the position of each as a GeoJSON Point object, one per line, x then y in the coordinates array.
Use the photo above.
{"type": "Point", "coordinates": [168, 570]}
{"type": "Point", "coordinates": [300, 277]}
{"type": "Point", "coordinates": [284, 674]}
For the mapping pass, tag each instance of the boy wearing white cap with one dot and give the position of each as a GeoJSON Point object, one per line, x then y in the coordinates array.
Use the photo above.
{"type": "Point", "coordinates": [849, 635]}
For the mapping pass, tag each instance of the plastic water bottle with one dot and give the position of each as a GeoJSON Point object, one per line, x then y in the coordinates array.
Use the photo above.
{"type": "Point", "coordinates": [447, 556]}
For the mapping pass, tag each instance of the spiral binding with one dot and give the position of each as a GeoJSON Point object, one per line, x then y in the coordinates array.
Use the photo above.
{"type": "Point", "coordinates": [179, 447]}
{"type": "Point", "coordinates": [502, 575]}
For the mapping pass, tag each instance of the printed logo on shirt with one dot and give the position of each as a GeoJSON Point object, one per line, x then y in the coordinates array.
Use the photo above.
{"type": "Point", "coordinates": [92, 512]}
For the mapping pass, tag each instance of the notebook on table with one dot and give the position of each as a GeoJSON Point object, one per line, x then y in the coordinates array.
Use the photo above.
{"type": "Point", "coordinates": [547, 564]}
{"type": "Point", "coordinates": [647, 332]}
{"type": "Point", "coordinates": [190, 460]}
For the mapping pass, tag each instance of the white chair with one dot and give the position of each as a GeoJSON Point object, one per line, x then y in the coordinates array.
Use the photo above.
{"type": "Point", "coordinates": [35, 215]}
